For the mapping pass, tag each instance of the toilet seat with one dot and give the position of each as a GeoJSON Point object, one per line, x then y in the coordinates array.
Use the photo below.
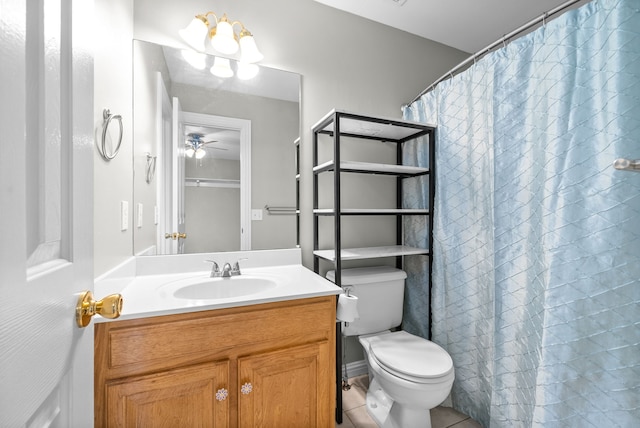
{"type": "Point", "coordinates": [411, 357]}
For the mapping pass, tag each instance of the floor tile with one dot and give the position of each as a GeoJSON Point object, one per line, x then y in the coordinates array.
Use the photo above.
{"type": "Point", "coordinates": [360, 418]}
{"type": "Point", "coordinates": [442, 417]}
{"type": "Point", "coordinates": [467, 423]}
{"type": "Point", "coordinates": [354, 397]}
{"type": "Point", "coordinates": [360, 381]}
{"type": "Point", "coordinates": [346, 422]}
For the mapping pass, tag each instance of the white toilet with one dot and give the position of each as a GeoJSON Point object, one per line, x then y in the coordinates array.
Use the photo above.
{"type": "Point", "coordinates": [408, 375]}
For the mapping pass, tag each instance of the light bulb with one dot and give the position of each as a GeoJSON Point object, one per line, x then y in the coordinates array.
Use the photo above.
{"type": "Point", "coordinates": [221, 67]}
{"type": "Point", "coordinates": [200, 153]}
{"type": "Point", "coordinates": [249, 52]}
{"type": "Point", "coordinates": [224, 40]}
{"type": "Point", "coordinates": [197, 60]}
{"type": "Point", "coordinates": [194, 33]}
{"type": "Point", "coordinates": [247, 71]}
{"type": "Point", "coordinates": [189, 152]}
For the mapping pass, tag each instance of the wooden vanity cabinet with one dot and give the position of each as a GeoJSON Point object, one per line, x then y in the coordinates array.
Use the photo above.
{"type": "Point", "coordinates": [267, 365]}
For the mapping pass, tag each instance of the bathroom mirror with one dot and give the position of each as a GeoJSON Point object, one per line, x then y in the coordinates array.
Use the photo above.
{"type": "Point", "coordinates": [214, 158]}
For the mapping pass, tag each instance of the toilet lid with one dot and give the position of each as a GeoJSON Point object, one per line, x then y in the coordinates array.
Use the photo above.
{"type": "Point", "coordinates": [409, 356]}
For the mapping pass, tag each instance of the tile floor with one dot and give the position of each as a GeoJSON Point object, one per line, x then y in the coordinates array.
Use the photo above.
{"type": "Point", "coordinates": [354, 412]}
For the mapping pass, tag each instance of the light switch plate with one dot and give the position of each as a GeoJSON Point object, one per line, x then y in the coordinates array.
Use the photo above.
{"type": "Point", "coordinates": [124, 215]}
{"type": "Point", "coordinates": [256, 214]}
{"type": "Point", "coordinates": [139, 217]}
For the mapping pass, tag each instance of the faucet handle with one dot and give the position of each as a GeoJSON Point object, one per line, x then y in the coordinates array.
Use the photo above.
{"type": "Point", "coordinates": [236, 265]}
{"type": "Point", "coordinates": [215, 269]}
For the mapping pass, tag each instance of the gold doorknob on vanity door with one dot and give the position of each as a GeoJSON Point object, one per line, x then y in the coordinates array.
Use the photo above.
{"type": "Point", "coordinates": [175, 236]}
{"type": "Point", "coordinates": [109, 307]}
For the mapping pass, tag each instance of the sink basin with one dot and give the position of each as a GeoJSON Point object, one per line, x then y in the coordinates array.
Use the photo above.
{"type": "Point", "coordinates": [220, 288]}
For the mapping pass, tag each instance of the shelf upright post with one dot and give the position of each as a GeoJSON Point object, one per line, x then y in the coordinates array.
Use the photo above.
{"type": "Point", "coordinates": [296, 144]}
{"type": "Point", "coordinates": [399, 218]}
{"type": "Point", "coordinates": [316, 259]}
{"type": "Point", "coordinates": [432, 192]}
{"type": "Point", "coordinates": [337, 262]}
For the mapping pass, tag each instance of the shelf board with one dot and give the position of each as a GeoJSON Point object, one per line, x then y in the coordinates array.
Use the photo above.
{"type": "Point", "coordinates": [372, 211]}
{"type": "Point", "coordinates": [370, 252]}
{"type": "Point", "coordinates": [372, 168]}
{"type": "Point", "coordinates": [379, 128]}
{"type": "Point", "coordinates": [211, 182]}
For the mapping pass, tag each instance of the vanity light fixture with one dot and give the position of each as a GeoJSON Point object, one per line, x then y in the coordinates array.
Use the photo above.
{"type": "Point", "coordinates": [197, 60]}
{"type": "Point", "coordinates": [221, 67]}
{"type": "Point", "coordinates": [223, 37]}
{"type": "Point", "coordinates": [247, 71]}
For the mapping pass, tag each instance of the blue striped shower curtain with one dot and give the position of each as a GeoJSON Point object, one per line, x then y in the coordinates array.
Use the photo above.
{"type": "Point", "coordinates": [536, 282]}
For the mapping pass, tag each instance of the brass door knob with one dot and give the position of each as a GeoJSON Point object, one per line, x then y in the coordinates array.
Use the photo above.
{"type": "Point", "coordinates": [175, 236]}
{"type": "Point", "coordinates": [109, 307]}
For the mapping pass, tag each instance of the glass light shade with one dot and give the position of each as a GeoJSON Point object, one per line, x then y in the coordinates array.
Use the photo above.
{"type": "Point", "coordinates": [247, 71]}
{"type": "Point", "coordinates": [189, 152]}
{"type": "Point", "coordinates": [249, 52]}
{"type": "Point", "coordinates": [200, 153]}
{"type": "Point", "coordinates": [224, 40]}
{"type": "Point", "coordinates": [221, 67]}
{"type": "Point", "coordinates": [197, 60]}
{"type": "Point", "coordinates": [195, 33]}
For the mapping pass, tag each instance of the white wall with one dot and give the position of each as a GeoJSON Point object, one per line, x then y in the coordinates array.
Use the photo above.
{"type": "Point", "coordinates": [346, 62]}
{"type": "Point", "coordinates": [149, 61]}
{"type": "Point", "coordinates": [113, 90]}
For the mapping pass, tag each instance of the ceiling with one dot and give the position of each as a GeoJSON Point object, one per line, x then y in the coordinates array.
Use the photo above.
{"type": "Point", "coordinates": [468, 25]}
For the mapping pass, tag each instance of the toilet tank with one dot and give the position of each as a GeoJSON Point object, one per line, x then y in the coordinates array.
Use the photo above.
{"type": "Point", "coordinates": [380, 292]}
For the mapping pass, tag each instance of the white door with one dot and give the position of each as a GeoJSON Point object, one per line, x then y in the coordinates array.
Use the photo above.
{"type": "Point", "coordinates": [178, 156]}
{"type": "Point", "coordinates": [46, 197]}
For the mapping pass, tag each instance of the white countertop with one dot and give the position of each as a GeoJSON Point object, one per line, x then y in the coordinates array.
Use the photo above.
{"type": "Point", "coordinates": [148, 295]}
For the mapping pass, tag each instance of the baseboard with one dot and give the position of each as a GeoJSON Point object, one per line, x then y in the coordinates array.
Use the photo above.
{"type": "Point", "coordinates": [355, 368]}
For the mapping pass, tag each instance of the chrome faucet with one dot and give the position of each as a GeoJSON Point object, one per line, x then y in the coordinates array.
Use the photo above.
{"type": "Point", "coordinates": [215, 269]}
{"type": "Point", "coordinates": [226, 272]}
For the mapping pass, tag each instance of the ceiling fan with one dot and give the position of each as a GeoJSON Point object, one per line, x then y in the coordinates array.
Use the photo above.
{"type": "Point", "coordinates": [195, 145]}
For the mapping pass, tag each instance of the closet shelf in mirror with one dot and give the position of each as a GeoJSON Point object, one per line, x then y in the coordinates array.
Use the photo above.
{"type": "Point", "coordinates": [372, 211]}
{"type": "Point", "coordinates": [211, 182]}
{"type": "Point", "coordinates": [371, 252]}
{"type": "Point", "coordinates": [372, 168]}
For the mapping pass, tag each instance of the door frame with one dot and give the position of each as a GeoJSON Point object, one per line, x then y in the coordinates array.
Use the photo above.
{"type": "Point", "coordinates": [244, 127]}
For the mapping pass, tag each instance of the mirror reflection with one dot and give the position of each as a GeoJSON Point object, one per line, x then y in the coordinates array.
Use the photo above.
{"type": "Point", "coordinates": [211, 155]}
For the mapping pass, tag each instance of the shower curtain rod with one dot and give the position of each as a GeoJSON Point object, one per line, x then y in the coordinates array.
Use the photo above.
{"type": "Point", "coordinates": [502, 41]}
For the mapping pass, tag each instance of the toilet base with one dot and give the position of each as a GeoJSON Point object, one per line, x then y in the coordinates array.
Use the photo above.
{"type": "Point", "coordinates": [388, 414]}
{"type": "Point", "coordinates": [378, 403]}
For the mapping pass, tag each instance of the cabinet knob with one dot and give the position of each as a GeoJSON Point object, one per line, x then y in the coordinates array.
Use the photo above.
{"type": "Point", "coordinates": [246, 388]}
{"type": "Point", "coordinates": [222, 394]}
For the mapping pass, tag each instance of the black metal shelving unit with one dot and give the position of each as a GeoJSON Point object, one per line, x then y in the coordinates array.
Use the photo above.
{"type": "Point", "coordinates": [341, 124]}
{"type": "Point", "coordinates": [296, 144]}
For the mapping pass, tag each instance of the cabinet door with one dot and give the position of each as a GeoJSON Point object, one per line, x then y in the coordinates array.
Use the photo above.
{"type": "Point", "coordinates": [191, 397]}
{"type": "Point", "coordinates": [288, 388]}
